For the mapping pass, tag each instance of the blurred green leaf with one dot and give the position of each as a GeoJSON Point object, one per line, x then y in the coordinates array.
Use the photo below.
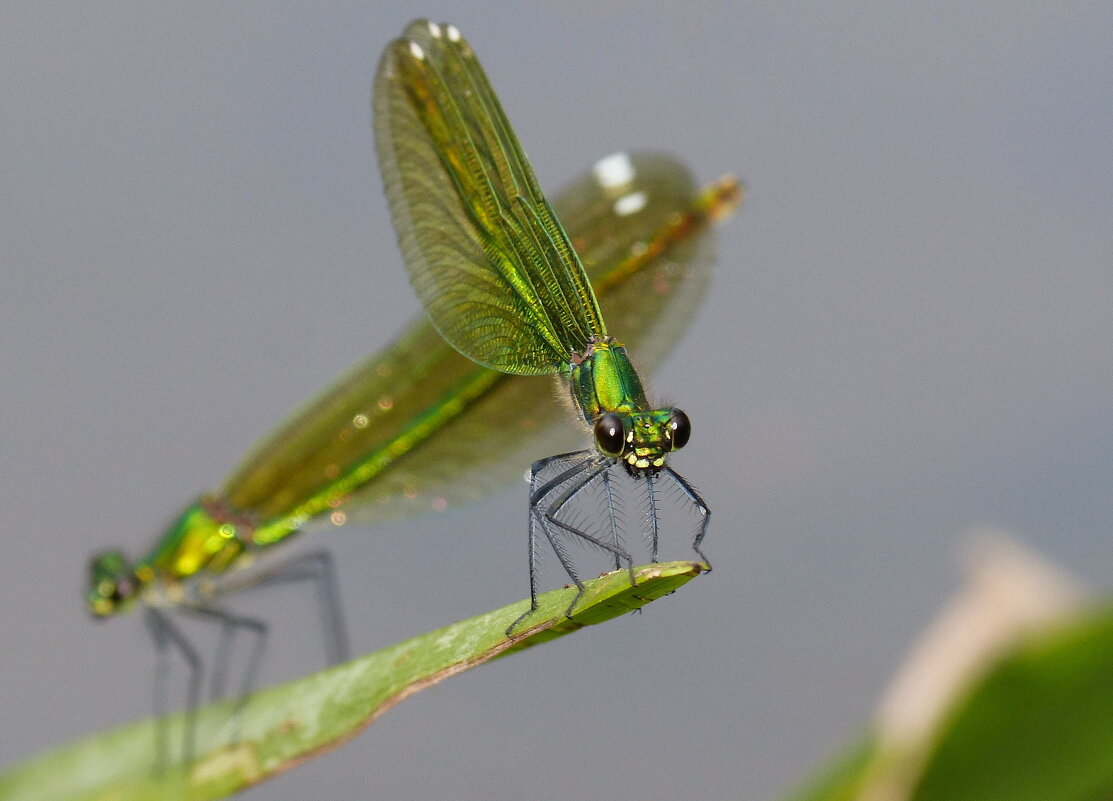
{"type": "Point", "coordinates": [842, 780]}
{"type": "Point", "coordinates": [1037, 726]}
{"type": "Point", "coordinates": [284, 725]}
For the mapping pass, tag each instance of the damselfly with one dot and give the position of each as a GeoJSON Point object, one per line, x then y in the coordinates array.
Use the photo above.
{"type": "Point", "coordinates": [417, 428]}
{"type": "Point", "coordinates": [502, 281]}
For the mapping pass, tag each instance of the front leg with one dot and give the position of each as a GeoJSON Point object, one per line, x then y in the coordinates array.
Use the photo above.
{"type": "Point", "coordinates": [537, 495]}
{"type": "Point", "coordinates": [550, 518]}
{"type": "Point", "coordinates": [696, 501]}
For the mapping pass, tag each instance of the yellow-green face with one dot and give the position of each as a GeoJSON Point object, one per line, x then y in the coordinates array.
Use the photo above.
{"type": "Point", "coordinates": [112, 586]}
{"type": "Point", "coordinates": [609, 394]}
{"type": "Point", "coordinates": [652, 435]}
{"type": "Point", "coordinates": [642, 440]}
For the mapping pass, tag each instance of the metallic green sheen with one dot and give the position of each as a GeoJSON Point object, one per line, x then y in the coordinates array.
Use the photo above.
{"type": "Point", "coordinates": [430, 447]}
{"type": "Point", "coordinates": [486, 254]}
{"type": "Point", "coordinates": [494, 268]}
{"type": "Point", "coordinates": [195, 541]}
{"type": "Point", "coordinates": [419, 427]}
{"type": "Point", "coordinates": [650, 439]}
{"type": "Point", "coordinates": [605, 381]}
{"type": "Point", "coordinates": [430, 416]}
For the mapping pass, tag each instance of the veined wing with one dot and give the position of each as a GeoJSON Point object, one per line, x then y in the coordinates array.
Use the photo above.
{"type": "Point", "coordinates": [485, 251]}
{"type": "Point", "coordinates": [650, 268]}
{"type": "Point", "coordinates": [417, 427]}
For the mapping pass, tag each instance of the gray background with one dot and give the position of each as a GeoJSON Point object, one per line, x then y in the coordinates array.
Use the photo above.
{"type": "Point", "coordinates": [909, 334]}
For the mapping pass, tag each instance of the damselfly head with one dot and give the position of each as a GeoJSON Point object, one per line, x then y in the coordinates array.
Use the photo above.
{"type": "Point", "coordinates": [112, 585]}
{"type": "Point", "coordinates": [642, 440]}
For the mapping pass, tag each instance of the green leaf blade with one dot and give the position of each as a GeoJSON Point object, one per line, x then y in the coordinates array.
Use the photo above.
{"type": "Point", "coordinates": [282, 726]}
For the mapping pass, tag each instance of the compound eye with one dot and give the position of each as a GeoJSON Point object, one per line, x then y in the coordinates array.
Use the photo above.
{"type": "Point", "coordinates": [610, 435]}
{"type": "Point", "coordinates": [681, 429]}
{"type": "Point", "coordinates": [125, 589]}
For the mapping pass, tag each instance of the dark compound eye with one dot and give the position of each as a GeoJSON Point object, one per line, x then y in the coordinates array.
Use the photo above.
{"type": "Point", "coordinates": [681, 429]}
{"type": "Point", "coordinates": [610, 436]}
{"type": "Point", "coordinates": [124, 590]}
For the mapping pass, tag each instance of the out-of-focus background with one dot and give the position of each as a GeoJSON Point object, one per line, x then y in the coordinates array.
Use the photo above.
{"type": "Point", "coordinates": [908, 335]}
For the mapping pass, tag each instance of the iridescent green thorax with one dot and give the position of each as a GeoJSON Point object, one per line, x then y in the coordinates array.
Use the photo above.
{"type": "Point", "coordinates": [206, 537]}
{"type": "Point", "coordinates": [603, 380]}
{"type": "Point", "coordinates": [610, 396]}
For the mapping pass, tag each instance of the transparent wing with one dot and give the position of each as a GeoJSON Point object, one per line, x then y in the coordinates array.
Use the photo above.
{"type": "Point", "coordinates": [417, 428]}
{"type": "Point", "coordinates": [485, 251]}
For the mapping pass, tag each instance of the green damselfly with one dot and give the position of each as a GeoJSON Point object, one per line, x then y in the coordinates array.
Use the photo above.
{"type": "Point", "coordinates": [417, 428]}
{"type": "Point", "coordinates": [501, 280]}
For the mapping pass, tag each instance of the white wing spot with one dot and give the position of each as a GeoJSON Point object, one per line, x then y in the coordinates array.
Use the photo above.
{"type": "Point", "coordinates": [416, 51]}
{"type": "Point", "coordinates": [454, 34]}
{"type": "Point", "coordinates": [630, 204]}
{"type": "Point", "coordinates": [614, 170]}
{"type": "Point", "coordinates": [435, 30]}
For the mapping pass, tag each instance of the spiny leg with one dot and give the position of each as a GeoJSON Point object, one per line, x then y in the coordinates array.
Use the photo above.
{"type": "Point", "coordinates": [612, 516]}
{"type": "Point", "coordinates": [317, 567]}
{"type": "Point", "coordinates": [550, 517]}
{"type": "Point", "coordinates": [584, 456]}
{"type": "Point", "coordinates": [229, 624]}
{"type": "Point", "coordinates": [532, 580]}
{"type": "Point", "coordinates": [332, 611]}
{"type": "Point", "coordinates": [652, 522]}
{"type": "Point", "coordinates": [564, 559]}
{"type": "Point", "coordinates": [700, 506]}
{"type": "Point", "coordinates": [165, 634]}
